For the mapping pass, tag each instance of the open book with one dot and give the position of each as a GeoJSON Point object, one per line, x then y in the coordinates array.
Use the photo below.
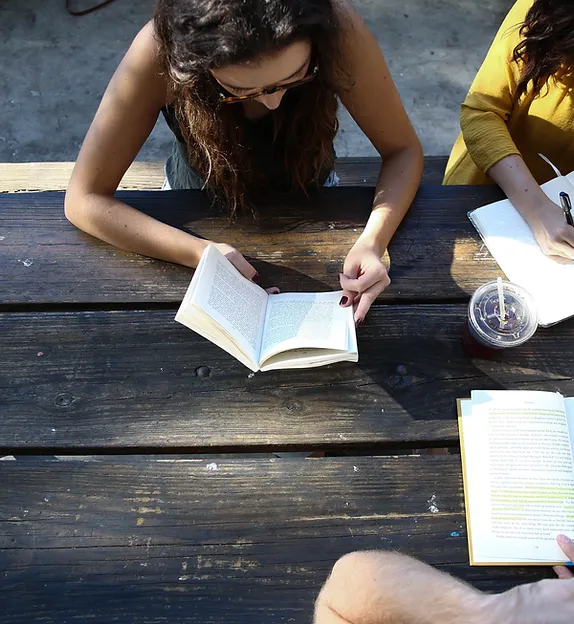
{"type": "Point", "coordinates": [266, 332]}
{"type": "Point", "coordinates": [513, 246]}
{"type": "Point", "coordinates": [518, 472]}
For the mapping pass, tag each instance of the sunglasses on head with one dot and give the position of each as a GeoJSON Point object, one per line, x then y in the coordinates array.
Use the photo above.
{"type": "Point", "coordinates": [226, 98]}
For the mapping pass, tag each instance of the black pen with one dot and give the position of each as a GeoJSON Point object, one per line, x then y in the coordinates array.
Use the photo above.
{"type": "Point", "coordinates": [566, 207]}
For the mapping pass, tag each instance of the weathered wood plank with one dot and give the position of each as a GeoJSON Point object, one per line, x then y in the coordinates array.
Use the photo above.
{"type": "Point", "coordinates": [298, 245]}
{"type": "Point", "coordinates": [125, 380]}
{"type": "Point", "coordinates": [364, 171]}
{"type": "Point", "coordinates": [54, 176]}
{"type": "Point", "coordinates": [235, 541]}
{"type": "Point", "coordinates": [31, 177]}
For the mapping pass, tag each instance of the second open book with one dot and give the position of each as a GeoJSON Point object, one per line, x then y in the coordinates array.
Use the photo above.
{"type": "Point", "coordinates": [266, 332]}
{"type": "Point", "coordinates": [518, 469]}
{"type": "Point", "coordinates": [513, 246]}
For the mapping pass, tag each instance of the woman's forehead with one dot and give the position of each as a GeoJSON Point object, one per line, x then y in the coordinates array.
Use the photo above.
{"type": "Point", "coordinates": [266, 70]}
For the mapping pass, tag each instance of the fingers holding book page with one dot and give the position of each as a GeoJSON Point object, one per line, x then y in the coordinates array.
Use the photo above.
{"type": "Point", "coordinates": [364, 277]}
{"type": "Point", "coordinates": [241, 264]}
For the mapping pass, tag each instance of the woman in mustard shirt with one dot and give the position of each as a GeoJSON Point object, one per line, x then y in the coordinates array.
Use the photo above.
{"type": "Point", "coordinates": [519, 105]}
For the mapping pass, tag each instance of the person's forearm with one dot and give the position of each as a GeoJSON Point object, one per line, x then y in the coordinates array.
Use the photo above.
{"type": "Point", "coordinates": [529, 604]}
{"type": "Point", "coordinates": [380, 587]}
{"type": "Point", "coordinates": [121, 225]}
{"type": "Point", "coordinates": [519, 185]}
{"type": "Point", "coordinates": [397, 185]}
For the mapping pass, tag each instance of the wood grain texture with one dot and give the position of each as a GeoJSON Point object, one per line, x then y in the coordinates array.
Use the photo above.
{"type": "Point", "coordinates": [54, 176]}
{"type": "Point", "coordinates": [154, 539]}
{"type": "Point", "coordinates": [31, 177]}
{"type": "Point", "coordinates": [299, 245]}
{"type": "Point", "coordinates": [228, 541]}
{"type": "Point", "coordinates": [364, 171]}
{"type": "Point", "coordinates": [127, 380]}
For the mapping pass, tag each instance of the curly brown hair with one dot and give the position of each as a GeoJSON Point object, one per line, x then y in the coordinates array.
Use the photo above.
{"type": "Point", "coordinates": [198, 35]}
{"type": "Point", "coordinates": [547, 47]}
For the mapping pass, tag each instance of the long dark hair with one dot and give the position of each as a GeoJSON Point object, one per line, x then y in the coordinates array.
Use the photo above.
{"type": "Point", "coordinates": [547, 46]}
{"type": "Point", "coordinates": [197, 35]}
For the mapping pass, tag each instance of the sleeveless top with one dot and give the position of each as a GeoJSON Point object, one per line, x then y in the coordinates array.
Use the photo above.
{"type": "Point", "coordinates": [268, 155]}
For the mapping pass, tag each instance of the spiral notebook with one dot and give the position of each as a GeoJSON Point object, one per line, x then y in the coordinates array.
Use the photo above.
{"type": "Point", "coordinates": [513, 246]}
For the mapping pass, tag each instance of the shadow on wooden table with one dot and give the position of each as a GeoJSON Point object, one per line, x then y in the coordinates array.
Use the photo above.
{"type": "Point", "coordinates": [415, 355]}
{"type": "Point", "coordinates": [435, 255]}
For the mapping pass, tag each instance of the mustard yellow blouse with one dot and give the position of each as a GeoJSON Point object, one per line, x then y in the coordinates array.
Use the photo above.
{"type": "Point", "coordinates": [494, 126]}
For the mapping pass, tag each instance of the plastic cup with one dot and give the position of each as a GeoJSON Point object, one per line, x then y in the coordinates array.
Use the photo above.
{"type": "Point", "coordinates": [486, 333]}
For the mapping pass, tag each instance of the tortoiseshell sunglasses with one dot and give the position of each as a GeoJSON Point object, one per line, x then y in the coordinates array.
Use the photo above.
{"type": "Point", "coordinates": [233, 99]}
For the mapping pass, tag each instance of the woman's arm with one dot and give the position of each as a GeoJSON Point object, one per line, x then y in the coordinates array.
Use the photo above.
{"type": "Point", "coordinates": [124, 120]}
{"type": "Point", "coordinates": [545, 218]}
{"type": "Point", "coordinates": [490, 100]}
{"type": "Point", "coordinates": [374, 103]}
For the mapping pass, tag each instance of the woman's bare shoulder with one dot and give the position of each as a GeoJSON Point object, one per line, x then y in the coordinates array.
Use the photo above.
{"type": "Point", "coordinates": [145, 48]}
{"type": "Point", "coordinates": [143, 64]}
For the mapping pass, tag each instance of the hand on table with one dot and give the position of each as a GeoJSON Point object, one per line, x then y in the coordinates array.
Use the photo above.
{"type": "Point", "coordinates": [550, 601]}
{"type": "Point", "coordinates": [567, 546]}
{"type": "Point", "coordinates": [241, 264]}
{"type": "Point", "coordinates": [552, 233]}
{"type": "Point", "coordinates": [364, 277]}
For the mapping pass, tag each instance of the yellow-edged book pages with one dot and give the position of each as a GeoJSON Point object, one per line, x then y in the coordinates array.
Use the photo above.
{"type": "Point", "coordinates": [518, 472]}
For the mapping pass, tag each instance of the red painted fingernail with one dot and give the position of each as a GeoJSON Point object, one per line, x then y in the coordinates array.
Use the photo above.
{"type": "Point", "coordinates": [344, 300]}
{"type": "Point", "coordinates": [256, 278]}
{"type": "Point", "coordinates": [359, 321]}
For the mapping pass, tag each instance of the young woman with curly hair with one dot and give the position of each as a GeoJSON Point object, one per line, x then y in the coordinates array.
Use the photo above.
{"type": "Point", "coordinates": [250, 89]}
{"type": "Point", "coordinates": [519, 105]}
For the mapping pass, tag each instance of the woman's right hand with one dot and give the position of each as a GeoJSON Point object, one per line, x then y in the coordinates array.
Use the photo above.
{"type": "Point", "coordinates": [545, 218]}
{"type": "Point", "coordinates": [552, 233]}
{"type": "Point", "coordinates": [241, 264]}
{"type": "Point", "coordinates": [237, 260]}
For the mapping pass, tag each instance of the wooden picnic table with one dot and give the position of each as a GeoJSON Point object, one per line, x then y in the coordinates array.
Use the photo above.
{"type": "Point", "coordinates": [139, 483]}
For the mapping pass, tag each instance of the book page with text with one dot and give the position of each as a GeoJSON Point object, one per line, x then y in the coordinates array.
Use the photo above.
{"type": "Point", "coordinates": [520, 475]}
{"type": "Point", "coordinates": [569, 406]}
{"type": "Point", "coordinates": [513, 246]}
{"type": "Point", "coordinates": [309, 358]}
{"type": "Point", "coordinates": [304, 320]}
{"type": "Point", "coordinates": [235, 303]}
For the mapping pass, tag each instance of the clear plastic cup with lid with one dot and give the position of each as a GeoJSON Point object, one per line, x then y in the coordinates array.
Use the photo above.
{"type": "Point", "coordinates": [490, 328]}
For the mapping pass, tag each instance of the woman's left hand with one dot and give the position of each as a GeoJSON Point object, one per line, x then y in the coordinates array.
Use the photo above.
{"type": "Point", "coordinates": [364, 277]}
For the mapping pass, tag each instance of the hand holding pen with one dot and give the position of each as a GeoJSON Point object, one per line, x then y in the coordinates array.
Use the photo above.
{"type": "Point", "coordinates": [553, 227]}
{"type": "Point", "coordinates": [566, 207]}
